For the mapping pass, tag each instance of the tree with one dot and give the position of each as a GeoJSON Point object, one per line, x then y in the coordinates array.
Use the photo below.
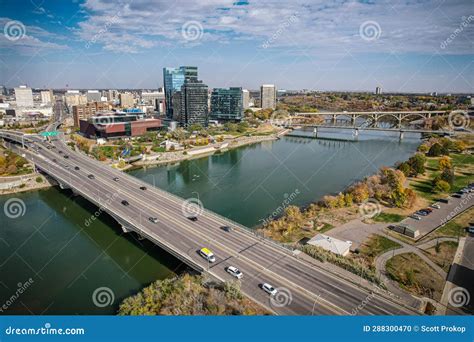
{"type": "Point", "coordinates": [435, 150]}
{"type": "Point", "coordinates": [445, 163]}
{"type": "Point", "coordinates": [423, 148]}
{"type": "Point", "coordinates": [441, 186]}
{"type": "Point", "coordinates": [448, 175]}
{"type": "Point", "coordinates": [417, 164]}
{"type": "Point", "coordinates": [459, 146]}
{"type": "Point", "coordinates": [360, 192]}
{"type": "Point", "coordinates": [405, 168]}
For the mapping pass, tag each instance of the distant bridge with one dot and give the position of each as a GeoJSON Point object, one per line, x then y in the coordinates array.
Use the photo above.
{"type": "Point", "coordinates": [373, 117]}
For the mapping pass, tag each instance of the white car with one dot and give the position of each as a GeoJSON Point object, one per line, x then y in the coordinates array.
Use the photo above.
{"type": "Point", "coordinates": [435, 206]}
{"type": "Point", "coordinates": [234, 271]}
{"type": "Point", "coordinates": [415, 217]}
{"type": "Point", "coordinates": [269, 289]}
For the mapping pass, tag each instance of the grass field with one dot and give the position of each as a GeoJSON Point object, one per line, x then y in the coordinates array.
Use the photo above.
{"type": "Point", "coordinates": [415, 275]}
{"type": "Point", "coordinates": [376, 245]}
{"type": "Point", "coordinates": [457, 226]}
{"type": "Point", "coordinates": [387, 217]}
{"type": "Point", "coordinates": [443, 254]}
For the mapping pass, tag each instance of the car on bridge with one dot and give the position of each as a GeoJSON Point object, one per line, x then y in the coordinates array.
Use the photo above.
{"type": "Point", "coordinates": [192, 218]}
{"type": "Point", "coordinates": [125, 203]}
{"type": "Point", "coordinates": [235, 272]}
{"type": "Point", "coordinates": [76, 168]}
{"type": "Point", "coordinates": [116, 179]}
{"type": "Point", "coordinates": [153, 219]}
{"type": "Point", "coordinates": [269, 289]}
{"type": "Point", "coordinates": [207, 254]}
{"type": "Point", "coordinates": [143, 188]}
{"type": "Point", "coordinates": [90, 176]}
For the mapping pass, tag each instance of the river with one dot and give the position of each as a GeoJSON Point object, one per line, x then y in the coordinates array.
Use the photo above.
{"type": "Point", "coordinates": [67, 259]}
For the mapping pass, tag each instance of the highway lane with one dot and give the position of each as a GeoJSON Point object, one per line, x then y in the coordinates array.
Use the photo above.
{"type": "Point", "coordinates": [169, 202]}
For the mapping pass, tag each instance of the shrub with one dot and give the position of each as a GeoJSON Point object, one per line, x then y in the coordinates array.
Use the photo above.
{"type": "Point", "coordinates": [441, 186]}
{"type": "Point", "coordinates": [39, 179]}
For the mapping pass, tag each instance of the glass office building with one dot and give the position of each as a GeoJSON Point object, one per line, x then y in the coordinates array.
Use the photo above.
{"type": "Point", "coordinates": [193, 99]}
{"type": "Point", "coordinates": [227, 104]}
{"type": "Point", "coordinates": [173, 80]}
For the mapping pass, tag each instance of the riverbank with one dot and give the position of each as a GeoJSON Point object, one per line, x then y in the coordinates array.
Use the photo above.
{"type": "Point", "coordinates": [164, 158]}
{"type": "Point", "coordinates": [24, 183]}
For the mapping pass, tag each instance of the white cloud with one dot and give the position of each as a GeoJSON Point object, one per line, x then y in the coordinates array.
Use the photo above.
{"type": "Point", "coordinates": [408, 26]}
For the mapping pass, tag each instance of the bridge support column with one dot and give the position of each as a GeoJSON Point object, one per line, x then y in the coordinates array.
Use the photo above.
{"type": "Point", "coordinates": [400, 137]}
{"type": "Point", "coordinates": [356, 134]}
{"type": "Point", "coordinates": [315, 132]}
{"type": "Point", "coordinates": [334, 119]}
{"type": "Point", "coordinates": [62, 186]}
{"type": "Point", "coordinates": [353, 120]}
{"type": "Point", "coordinates": [126, 229]}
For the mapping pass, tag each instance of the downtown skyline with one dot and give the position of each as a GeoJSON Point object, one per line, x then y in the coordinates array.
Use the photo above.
{"type": "Point", "coordinates": [355, 46]}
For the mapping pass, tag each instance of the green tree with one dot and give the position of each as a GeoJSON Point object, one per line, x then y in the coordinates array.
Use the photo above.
{"type": "Point", "coordinates": [417, 164]}
{"type": "Point", "coordinates": [441, 186]}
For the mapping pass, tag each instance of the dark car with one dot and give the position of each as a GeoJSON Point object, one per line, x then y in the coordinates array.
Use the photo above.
{"type": "Point", "coordinates": [457, 196]}
{"type": "Point", "coordinates": [153, 219]}
{"type": "Point", "coordinates": [124, 202]}
{"type": "Point", "coordinates": [67, 157]}
{"type": "Point", "coordinates": [54, 160]}
{"type": "Point", "coordinates": [60, 152]}
{"type": "Point", "coordinates": [116, 179]}
{"type": "Point", "coordinates": [443, 200]}
{"type": "Point", "coordinates": [192, 218]}
{"type": "Point", "coordinates": [76, 168]}
{"type": "Point", "coordinates": [90, 176]}
{"type": "Point", "coordinates": [226, 229]}
{"type": "Point", "coordinates": [143, 188]}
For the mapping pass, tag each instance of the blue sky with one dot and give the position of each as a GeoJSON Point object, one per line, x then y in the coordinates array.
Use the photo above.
{"type": "Point", "coordinates": [404, 46]}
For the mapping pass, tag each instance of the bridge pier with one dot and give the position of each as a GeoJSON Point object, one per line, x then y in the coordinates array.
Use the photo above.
{"type": "Point", "coordinates": [356, 134]}
{"type": "Point", "coordinates": [315, 132]}
{"type": "Point", "coordinates": [401, 136]}
{"type": "Point", "coordinates": [63, 187]}
{"type": "Point", "coordinates": [353, 120]}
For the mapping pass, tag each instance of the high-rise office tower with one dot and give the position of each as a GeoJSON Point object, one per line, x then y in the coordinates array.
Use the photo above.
{"type": "Point", "coordinates": [268, 96]}
{"type": "Point", "coordinates": [24, 96]}
{"type": "Point", "coordinates": [46, 96]}
{"type": "Point", "coordinates": [193, 98]}
{"type": "Point", "coordinates": [173, 79]}
{"type": "Point", "coordinates": [378, 90]}
{"type": "Point", "coordinates": [226, 104]}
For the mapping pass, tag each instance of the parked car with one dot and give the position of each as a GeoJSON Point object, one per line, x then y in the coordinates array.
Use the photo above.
{"type": "Point", "coordinates": [421, 213]}
{"type": "Point", "coordinates": [456, 195]}
{"type": "Point", "coordinates": [66, 156]}
{"type": "Point", "coordinates": [153, 219]}
{"type": "Point", "coordinates": [90, 176]}
{"type": "Point", "coordinates": [415, 217]}
{"type": "Point", "coordinates": [443, 200]}
{"type": "Point", "coordinates": [436, 206]}
{"type": "Point", "coordinates": [192, 218]}
{"type": "Point", "coordinates": [116, 179]}
{"type": "Point", "coordinates": [269, 289]}
{"type": "Point", "coordinates": [143, 188]}
{"type": "Point", "coordinates": [470, 230]}
{"type": "Point", "coordinates": [76, 168]}
{"type": "Point", "coordinates": [234, 271]}
{"type": "Point", "coordinates": [125, 203]}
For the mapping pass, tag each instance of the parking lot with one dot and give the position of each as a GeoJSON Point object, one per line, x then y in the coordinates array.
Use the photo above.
{"type": "Point", "coordinates": [438, 217]}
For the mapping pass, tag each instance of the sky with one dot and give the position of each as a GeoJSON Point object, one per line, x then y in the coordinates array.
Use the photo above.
{"type": "Point", "coordinates": [402, 46]}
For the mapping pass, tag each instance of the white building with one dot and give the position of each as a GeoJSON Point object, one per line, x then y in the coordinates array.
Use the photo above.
{"type": "Point", "coordinates": [331, 244]}
{"type": "Point", "coordinates": [268, 96]}
{"type": "Point", "coordinates": [46, 96]}
{"type": "Point", "coordinates": [24, 96]}
{"type": "Point", "coordinates": [245, 98]}
{"type": "Point", "coordinates": [93, 96]}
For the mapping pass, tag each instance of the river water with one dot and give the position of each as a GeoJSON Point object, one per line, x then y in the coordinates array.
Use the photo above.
{"type": "Point", "coordinates": [67, 260]}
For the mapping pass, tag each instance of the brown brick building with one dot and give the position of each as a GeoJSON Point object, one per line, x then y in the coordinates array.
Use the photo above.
{"type": "Point", "coordinates": [85, 111]}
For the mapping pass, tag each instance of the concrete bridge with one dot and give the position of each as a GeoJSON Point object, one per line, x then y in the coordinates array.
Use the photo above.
{"type": "Point", "coordinates": [372, 117]}
{"type": "Point", "coordinates": [308, 288]}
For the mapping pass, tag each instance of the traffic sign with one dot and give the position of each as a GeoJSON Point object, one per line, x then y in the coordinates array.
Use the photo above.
{"type": "Point", "coordinates": [49, 134]}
